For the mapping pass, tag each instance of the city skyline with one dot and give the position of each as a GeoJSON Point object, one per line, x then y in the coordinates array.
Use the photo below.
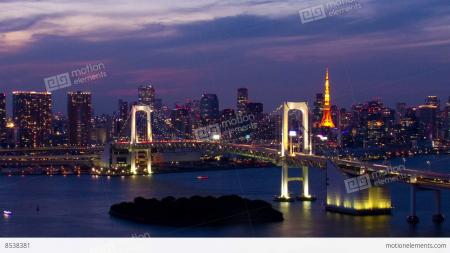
{"type": "Point", "coordinates": [224, 119]}
{"type": "Point", "coordinates": [443, 100]}
{"type": "Point", "coordinates": [259, 45]}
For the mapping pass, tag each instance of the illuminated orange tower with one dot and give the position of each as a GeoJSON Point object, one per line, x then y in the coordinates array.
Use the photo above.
{"type": "Point", "coordinates": [327, 121]}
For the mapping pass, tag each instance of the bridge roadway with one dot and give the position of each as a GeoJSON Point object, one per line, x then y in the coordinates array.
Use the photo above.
{"type": "Point", "coordinates": [424, 179]}
{"type": "Point", "coordinates": [88, 155]}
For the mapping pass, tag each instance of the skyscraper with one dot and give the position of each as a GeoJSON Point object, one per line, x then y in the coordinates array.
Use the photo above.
{"type": "Point", "coordinates": [79, 111]}
{"type": "Point", "coordinates": [2, 120]}
{"type": "Point", "coordinates": [181, 121]}
{"type": "Point", "coordinates": [59, 130]}
{"type": "Point", "coordinates": [400, 112]}
{"type": "Point", "coordinates": [122, 121]}
{"type": "Point", "coordinates": [242, 100]}
{"type": "Point", "coordinates": [209, 108]}
{"type": "Point", "coordinates": [318, 110]}
{"type": "Point", "coordinates": [327, 120]}
{"type": "Point", "coordinates": [447, 120]}
{"type": "Point", "coordinates": [32, 113]}
{"type": "Point", "coordinates": [256, 109]}
{"type": "Point", "coordinates": [433, 100]}
{"type": "Point", "coordinates": [428, 118]}
{"type": "Point", "coordinates": [147, 95]}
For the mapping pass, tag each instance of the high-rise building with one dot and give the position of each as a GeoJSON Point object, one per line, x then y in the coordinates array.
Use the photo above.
{"type": "Point", "coordinates": [59, 130]}
{"type": "Point", "coordinates": [428, 119]}
{"type": "Point", "coordinates": [101, 129]}
{"type": "Point", "coordinates": [122, 121]}
{"type": "Point", "coordinates": [12, 133]}
{"type": "Point", "coordinates": [79, 111]}
{"type": "Point", "coordinates": [446, 119]}
{"type": "Point", "coordinates": [327, 120]}
{"type": "Point", "coordinates": [318, 110]}
{"type": "Point", "coordinates": [3, 142]}
{"type": "Point", "coordinates": [433, 100]}
{"type": "Point", "coordinates": [193, 106]}
{"type": "Point", "coordinates": [400, 112]}
{"type": "Point", "coordinates": [32, 113]}
{"type": "Point", "coordinates": [256, 109]}
{"type": "Point", "coordinates": [209, 108]}
{"type": "Point", "coordinates": [242, 100]}
{"type": "Point", "coordinates": [181, 121]}
{"type": "Point", "coordinates": [158, 104]}
{"type": "Point", "coordinates": [147, 95]}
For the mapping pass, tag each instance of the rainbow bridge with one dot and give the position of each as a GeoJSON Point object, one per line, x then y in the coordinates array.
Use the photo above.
{"type": "Point", "coordinates": [357, 172]}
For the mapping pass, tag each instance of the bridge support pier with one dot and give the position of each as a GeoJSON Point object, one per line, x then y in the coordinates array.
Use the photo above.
{"type": "Point", "coordinates": [412, 218]}
{"type": "Point", "coordinates": [305, 178]}
{"type": "Point", "coordinates": [285, 196]}
{"type": "Point", "coordinates": [438, 217]}
{"type": "Point", "coordinates": [149, 161]}
{"type": "Point", "coordinates": [133, 161]}
{"type": "Point", "coordinates": [285, 179]}
{"type": "Point", "coordinates": [286, 148]}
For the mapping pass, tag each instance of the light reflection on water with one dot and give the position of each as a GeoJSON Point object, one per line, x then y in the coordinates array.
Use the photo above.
{"type": "Point", "coordinates": [78, 206]}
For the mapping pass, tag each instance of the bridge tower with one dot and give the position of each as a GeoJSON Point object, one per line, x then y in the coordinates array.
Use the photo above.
{"type": "Point", "coordinates": [134, 150]}
{"type": "Point", "coordinates": [307, 149]}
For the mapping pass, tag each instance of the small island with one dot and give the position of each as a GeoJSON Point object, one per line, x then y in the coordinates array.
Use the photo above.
{"type": "Point", "coordinates": [196, 210]}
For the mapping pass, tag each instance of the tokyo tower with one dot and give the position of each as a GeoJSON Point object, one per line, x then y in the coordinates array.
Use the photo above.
{"type": "Point", "coordinates": [327, 121]}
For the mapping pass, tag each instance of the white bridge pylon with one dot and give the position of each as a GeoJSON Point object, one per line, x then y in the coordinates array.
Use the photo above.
{"type": "Point", "coordinates": [135, 138]}
{"type": "Point", "coordinates": [307, 149]}
{"type": "Point", "coordinates": [148, 111]}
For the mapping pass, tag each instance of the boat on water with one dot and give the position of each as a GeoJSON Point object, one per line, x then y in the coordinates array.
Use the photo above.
{"type": "Point", "coordinates": [202, 177]}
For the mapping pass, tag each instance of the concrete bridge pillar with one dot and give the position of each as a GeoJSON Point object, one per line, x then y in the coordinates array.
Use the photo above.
{"type": "Point", "coordinates": [438, 217]}
{"type": "Point", "coordinates": [412, 218]}
{"type": "Point", "coordinates": [148, 111]}
{"type": "Point", "coordinates": [134, 154]}
{"type": "Point", "coordinates": [133, 168]}
{"type": "Point", "coordinates": [284, 182]}
{"type": "Point", "coordinates": [307, 150]}
{"type": "Point", "coordinates": [305, 176]}
{"type": "Point", "coordinates": [135, 138]}
{"type": "Point", "coordinates": [149, 161]}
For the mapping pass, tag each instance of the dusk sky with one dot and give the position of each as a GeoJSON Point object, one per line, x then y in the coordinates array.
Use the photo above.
{"type": "Point", "coordinates": [396, 50]}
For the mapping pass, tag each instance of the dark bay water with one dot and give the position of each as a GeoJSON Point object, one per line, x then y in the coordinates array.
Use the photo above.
{"type": "Point", "coordinates": [77, 206]}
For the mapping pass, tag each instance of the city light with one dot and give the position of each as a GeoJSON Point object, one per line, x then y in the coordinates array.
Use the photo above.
{"type": "Point", "coordinates": [230, 119]}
